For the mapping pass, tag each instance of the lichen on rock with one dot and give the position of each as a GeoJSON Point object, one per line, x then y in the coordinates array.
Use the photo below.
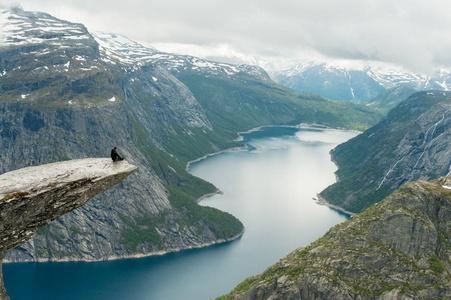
{"type": "Point", "coordinates": [32, 197]}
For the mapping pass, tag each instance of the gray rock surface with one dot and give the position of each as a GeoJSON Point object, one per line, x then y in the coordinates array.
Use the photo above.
{"type": "Point", "coordinates": [32, 197]}
{"type": "Point", "coordinates": [413, 142]}
{"type": "Point", "coordinates": [398, 249]}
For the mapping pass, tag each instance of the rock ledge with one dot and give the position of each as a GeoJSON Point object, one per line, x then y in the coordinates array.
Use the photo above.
{"type": "Point", "coordinates": [32, 197]}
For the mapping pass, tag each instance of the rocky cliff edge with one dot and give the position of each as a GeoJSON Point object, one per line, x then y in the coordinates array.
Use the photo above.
{"type": "Point", "coordinates": [32, 197]}
{"type": "Point", "coordinates": [397, 249]}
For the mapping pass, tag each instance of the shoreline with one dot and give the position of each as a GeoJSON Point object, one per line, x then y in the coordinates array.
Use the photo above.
{"type": "Point", "coordinates": [240, 138]}
{"type": "Point", "coordinates": [217, 192]}
{"type": "Point", "coordinates": [137, 255]}
{"type": "Point", "coordinates": [321, 201]}
{"type": "Point", "coordinates": [188, 164]}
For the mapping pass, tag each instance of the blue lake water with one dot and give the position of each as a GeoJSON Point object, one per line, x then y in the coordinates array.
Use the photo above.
{"type": "Point", "coordinates": [269, 186]}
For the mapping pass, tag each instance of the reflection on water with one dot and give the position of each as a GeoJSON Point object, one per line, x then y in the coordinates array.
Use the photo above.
{"type": "Point", "coordinates": [269, 187]}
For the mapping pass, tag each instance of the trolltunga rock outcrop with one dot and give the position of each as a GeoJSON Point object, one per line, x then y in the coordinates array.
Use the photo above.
{"type": "Point", "coordinates": [32, 197]}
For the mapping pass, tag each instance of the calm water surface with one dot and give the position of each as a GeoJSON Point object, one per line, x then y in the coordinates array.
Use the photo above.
{"type": "Point", "coordinates": [268, 186]}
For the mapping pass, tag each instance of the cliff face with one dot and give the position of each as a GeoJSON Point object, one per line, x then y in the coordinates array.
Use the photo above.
{"type": "Point", "coordinates": [62, 97]}
{"type": "Point", "coordinates": [413, 142]}
{"type": "Point", "coordinates": [397, 249]}
{"type": "Point", "coordinates": [32, 197]}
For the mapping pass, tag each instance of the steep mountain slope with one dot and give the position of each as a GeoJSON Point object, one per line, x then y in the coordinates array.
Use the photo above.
{"type": "Point", "coordinates": [397, 249]}
{"type": "Point", "coordinates": [61, 99]}
{"type": "Point", "coordinates": [64, 96]}
{"type": "Point", "coordinates": [391, 98]}
{"type": "Point", "coordinates": [413, 142]}
{"type": "Point", "coordinates": [359, 83]}
{"type": "Point", "coordinates": [236, 96]}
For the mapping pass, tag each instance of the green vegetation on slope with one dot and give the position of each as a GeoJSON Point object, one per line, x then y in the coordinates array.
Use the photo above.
{"type": "Point", "coordinates": [400, 246]}
{"type": "Point", "coordinates": [232, 105]}
{"type": "Point", "coordinates": [389, 99]}
{"type": "Point", "coordinates": [237, 105]}
{"type": "Point", "coordinates": [364, 160]}
{"type": "Point", "coordinates": [183, 187]}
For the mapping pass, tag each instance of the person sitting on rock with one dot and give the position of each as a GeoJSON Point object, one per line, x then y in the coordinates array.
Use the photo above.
{"type": "Point", "coordinates": [115, 156]}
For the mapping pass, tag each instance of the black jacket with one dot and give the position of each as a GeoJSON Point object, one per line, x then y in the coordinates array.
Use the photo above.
{"type": "Point", "coordinates": [115, 156]}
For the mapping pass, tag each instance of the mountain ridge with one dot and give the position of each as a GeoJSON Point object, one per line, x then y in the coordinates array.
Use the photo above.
{"type": "Point", "coordinates": [309, 75]}
{"type": "Point", "coordinates": [116, 44]}
{"type": "Point", "coordinates": [359, 84]}
{"type": "Point", "coordinates": [411, 143]}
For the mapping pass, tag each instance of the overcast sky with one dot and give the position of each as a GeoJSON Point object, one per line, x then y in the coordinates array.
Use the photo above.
{"type": "Point", "coordinates": [411, 33]}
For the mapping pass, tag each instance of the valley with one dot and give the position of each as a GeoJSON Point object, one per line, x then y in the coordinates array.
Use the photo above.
{"type": "Point", "coordinates": [66, 96]}
{"type": "Point", "coordinates": [67, 93]}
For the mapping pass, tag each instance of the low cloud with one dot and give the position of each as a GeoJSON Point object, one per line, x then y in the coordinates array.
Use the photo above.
{"type": "Point", "coordinates": [411, 33]}
{"type": "Point", "coordinates": [7, 4]}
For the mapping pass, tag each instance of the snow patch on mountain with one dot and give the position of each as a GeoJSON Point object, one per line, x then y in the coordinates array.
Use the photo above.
{"type": "Point", "coordinates": [119, 49]}
{"type": "Point", "coordinates": [18, 27]}
{"type": "Point", "coordinates": [387, 76]}
{"type": "Point", "coordinates": [3, 24]}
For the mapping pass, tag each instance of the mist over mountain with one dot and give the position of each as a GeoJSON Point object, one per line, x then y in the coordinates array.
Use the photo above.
{"type": "Point", "coordinates": [358, 84]}
{"type": "Point", "coordinates": [356, 81]}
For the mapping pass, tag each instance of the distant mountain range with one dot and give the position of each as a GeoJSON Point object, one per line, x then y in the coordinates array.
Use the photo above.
{"type": "Point", "coordinates": [356, 81]}
{"type": "Point", "coordinates": [359, 84]}
{"type": "Point", "coordinates": [382, 87]}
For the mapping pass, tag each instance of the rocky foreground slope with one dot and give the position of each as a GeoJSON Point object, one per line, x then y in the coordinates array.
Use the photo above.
{"type": "Point", "coordinates": [399, 248]}
{"type": "Point", "coordinates": [32, 197]}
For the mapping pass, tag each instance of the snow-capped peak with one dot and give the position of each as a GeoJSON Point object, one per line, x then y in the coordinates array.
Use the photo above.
{"type": "Point", "coordinates": [387, 75]}
{"type": "Point", "coordinates": [24, 28]}
{"type": "Point", "coordinates": [116, 48]}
